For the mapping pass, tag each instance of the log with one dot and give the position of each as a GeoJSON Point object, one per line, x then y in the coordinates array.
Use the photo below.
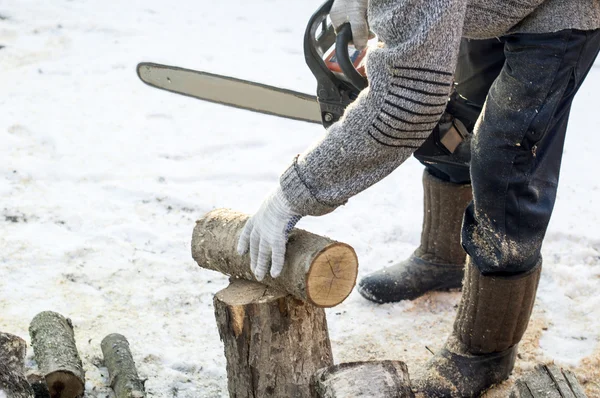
{"type": "Point", "coordinates": [372, 379]}
{"type": "Point", "coordinates": [124, 378]}
{"type": "Point", "coordinates": [548, 381]}
{"type": "Point", "coordinates": [12, 351]}
{"type": "Point", "coordinates": [13, 383]}
{"type": "Point", "coordinates": [317, 269]}
{"type": "Point", "coordinates": [53, 342]}
{"type": "Point", "coordinates": [273, 342]}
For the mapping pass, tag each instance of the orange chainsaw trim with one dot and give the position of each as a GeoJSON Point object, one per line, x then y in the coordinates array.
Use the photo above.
{"type": "Point", "coordinates": [356, 56]}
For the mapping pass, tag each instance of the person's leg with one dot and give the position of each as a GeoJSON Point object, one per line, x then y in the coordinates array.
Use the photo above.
{"type": "Point", "coordinates": [438, 262]}
{"type": "Point", "coordinates": [515, 164]}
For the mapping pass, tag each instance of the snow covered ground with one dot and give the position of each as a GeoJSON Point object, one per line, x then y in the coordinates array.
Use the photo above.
{"type": "Point", "coordinates": [102, 178]}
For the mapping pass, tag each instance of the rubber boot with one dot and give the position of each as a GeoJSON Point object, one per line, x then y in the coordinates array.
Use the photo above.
{"type": "Point", "coordinates": [492, 317]}
{"type": "Point", "coordinates": [439, 261]}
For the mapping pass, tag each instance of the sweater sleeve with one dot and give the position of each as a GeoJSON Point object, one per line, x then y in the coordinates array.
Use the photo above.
{"type": "Point", "coordinates": [410, 78]}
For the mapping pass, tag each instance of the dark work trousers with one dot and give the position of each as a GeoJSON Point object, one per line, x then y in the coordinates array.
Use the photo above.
{"type": "Point", "coordinates": [479, 64]}
{"type": "Point", "coordinates": [517, 147]}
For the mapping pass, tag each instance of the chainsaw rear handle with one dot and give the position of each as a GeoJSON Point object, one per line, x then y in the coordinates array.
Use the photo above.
{"type": "Point", "coordinates": [333, 93]}
{"type": "Point", "coordinates": [344, 37]}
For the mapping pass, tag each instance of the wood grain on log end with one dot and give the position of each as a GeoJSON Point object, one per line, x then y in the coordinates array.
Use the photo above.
{"type": "Point", "coordinates": [332, 275]}
{"type": "Point", "coordinates": [64, 384]}
{"type": "Point", "coordinates": [372, 379]}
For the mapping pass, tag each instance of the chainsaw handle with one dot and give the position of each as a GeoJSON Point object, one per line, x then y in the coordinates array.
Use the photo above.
{"type": "Point", "coordinates": [343, 39]}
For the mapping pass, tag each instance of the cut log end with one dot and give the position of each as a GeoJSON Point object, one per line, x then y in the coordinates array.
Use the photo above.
{"type": "Point", "coordinates": [64, 384]}
{"type": "Point", "coordinates": [374, 379]}
{"type": "Point", "coordinates": [332, 275]}
{"type": "Point", "coordinates": [242, 292]}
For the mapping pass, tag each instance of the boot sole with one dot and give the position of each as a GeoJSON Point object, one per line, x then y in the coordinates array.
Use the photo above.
{"type": "Point", "coordinates": [442, 288]}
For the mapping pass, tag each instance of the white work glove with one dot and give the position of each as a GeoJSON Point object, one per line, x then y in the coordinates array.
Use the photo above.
{"type": "Point", "coordinates": [354, 12]}
{"type": "Point", "coordinates": [266, 234]}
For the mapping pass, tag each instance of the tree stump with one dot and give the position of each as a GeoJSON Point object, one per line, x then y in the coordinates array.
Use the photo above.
{"type": "Point", "coordinates": [124, 378]}
{"type": "Point", "coordinates": [53, 342]}
{"type": "Point", "coordinates": [548, 381]}
{"type": "Point", "coordinates": [372, 379]}
{"type": "Point", "coordinates": [317, 269]}
{"type": "Point", "coordinates": [13, 383]}
{"type": "Point", "coordinates": [273, 342]}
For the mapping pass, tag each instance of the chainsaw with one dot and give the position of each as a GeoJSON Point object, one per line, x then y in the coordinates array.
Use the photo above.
{"type": "Point", "coordinates": [340, 73]}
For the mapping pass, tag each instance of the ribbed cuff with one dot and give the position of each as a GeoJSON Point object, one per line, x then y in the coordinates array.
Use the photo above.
{"type": "Point", "coordinates": [494, 311]}
{"type": "Point", "coordinates": [298, 195]}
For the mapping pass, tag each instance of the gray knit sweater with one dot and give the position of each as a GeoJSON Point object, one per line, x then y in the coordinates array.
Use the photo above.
{"type": "Point", "coordinates": [410, 78]}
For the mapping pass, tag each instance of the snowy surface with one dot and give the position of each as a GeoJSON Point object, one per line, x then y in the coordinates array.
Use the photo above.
{"type": "Point", "coordinates": [102, 178]}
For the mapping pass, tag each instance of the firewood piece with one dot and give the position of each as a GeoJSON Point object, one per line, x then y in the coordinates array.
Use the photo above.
{"type": "Point", "coordinates": [273, 342]}
{"type": "Point", "coordinates": [12, 351]}
{"type": "Point", "coordinates": [53, 342]}
{"type": "Point", "coordinates": [317, 269]}
{"type": "Point", "coordinates": [124, 378]}
{"type": "Point", "coordinates": [13, 383]}
{"type": "Point", "coordinates": [548, 381]}
{"type": "Point", "coordinates": [371, 379]}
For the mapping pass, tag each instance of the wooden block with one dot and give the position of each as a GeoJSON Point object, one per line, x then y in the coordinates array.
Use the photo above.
{"type": "Point", "coordinates": [53, 341]}
{"type": "Point", "coordinates": [13, 383]}
{"type": "Point", "coordinates": [124, 379]}
{"type": "Point", "coordinates": [273, 342]}
{"type": "Point", "coordinates": [548, 381]}
{"type": "Point", "coordinates": [372, 379]}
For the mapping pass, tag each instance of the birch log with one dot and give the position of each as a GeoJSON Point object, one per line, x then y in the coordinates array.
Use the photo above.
{"type": "Point", "coordinates": [372, 379]}
{"type": "Point", "coordinates": [273, 342]}
{"type": "Point", "coordinates": [13, 383]}
{"type": "Point", "coordinates": [317, 269]}
{"type": "Point", "coordinates": [53, 342]}
{"type": "Point", "coordinates": [124, 378]}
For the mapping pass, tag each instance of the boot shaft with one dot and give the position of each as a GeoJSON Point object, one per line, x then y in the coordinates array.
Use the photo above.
{"type": "Point", "coordinates": [443, 209]}
{"type": "Point", "coordinates": [494, 310]}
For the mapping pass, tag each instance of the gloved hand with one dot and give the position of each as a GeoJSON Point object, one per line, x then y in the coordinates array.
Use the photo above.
{"type": "Point", "coordinates": [266, 234]}
{"type": "Point", "coordinates": [355, 12]}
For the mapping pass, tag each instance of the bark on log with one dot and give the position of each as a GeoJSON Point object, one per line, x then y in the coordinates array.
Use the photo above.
{"type": "Point", "coordinates": [317, 269]}
{"type": "Point", "coordinates": [548, 381]}
{"type": "Point", "coordinates": [124, 378]}
{"type": "Point", "coordinates": [372, 379]}
{"type": "Point", "coordinates": [273, 342]}
{"type": "Point", "coordinates": [13, 383]}
{"type": "Point", "coordinates": [53, 342]}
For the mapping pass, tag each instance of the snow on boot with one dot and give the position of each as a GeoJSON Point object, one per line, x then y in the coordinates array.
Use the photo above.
{"type": "Point", "coordinates": [492, 317]}
{"type": "Point", "coordinates": [438, 263]}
